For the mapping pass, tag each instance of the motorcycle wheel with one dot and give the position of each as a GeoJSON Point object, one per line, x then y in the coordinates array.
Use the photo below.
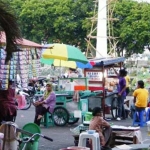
{"type": "Point", "coordinates": [28, 103]}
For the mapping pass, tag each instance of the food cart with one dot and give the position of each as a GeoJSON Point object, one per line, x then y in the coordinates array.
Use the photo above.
{"type": "Point", "coordinates": [102, 77]}
{"type": "Point", "coordinates": [71, 100]}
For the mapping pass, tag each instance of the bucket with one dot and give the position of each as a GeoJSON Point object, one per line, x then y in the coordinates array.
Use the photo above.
{"type": "Point", "coordinates": [33, 128]}
{"type": "Point", "coordinates": [77, 114]}
{"type": "Point", "coordinates": [148, 127]}
{"type": "Point", "coordinates": [88, 116]}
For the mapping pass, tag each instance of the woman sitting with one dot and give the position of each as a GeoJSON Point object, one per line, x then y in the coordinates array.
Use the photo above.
{"type": "Point", "coordinates": [45, 104]}
{"type": "Point", "coordinates": [101, 126]}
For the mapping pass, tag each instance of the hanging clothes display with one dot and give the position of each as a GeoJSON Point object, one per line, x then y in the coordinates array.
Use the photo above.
{"type": "Point", "coordinates": [26, 63]}
{"type": "Point", "coordinates": [4, 70]}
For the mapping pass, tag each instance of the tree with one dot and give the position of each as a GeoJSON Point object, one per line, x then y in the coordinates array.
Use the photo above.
{"type": "Point", "coordinates": [54, 20]}
{"type": "Point", "coordinates": [132, 27]}
{"type": "Point", "coordinates": [67, 21]}
{"type": "Point", "coordinates": [8, 24]}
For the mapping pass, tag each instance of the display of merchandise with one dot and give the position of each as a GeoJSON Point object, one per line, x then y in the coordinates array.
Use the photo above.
{"type": "Point", "coordinates": [4, 70]}
{"type": "Point", "coordinates": [26, 63]}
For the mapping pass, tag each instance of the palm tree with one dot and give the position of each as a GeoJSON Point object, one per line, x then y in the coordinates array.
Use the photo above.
{"type": "Point", "coordinates": [8, 24]}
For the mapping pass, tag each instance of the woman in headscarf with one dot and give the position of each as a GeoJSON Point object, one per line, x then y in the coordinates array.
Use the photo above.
{"type": "Point", "coordinates": [45, 104]}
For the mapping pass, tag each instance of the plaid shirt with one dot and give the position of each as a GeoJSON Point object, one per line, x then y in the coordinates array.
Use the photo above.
{"type": "Point", "coordinates": [98, 123]}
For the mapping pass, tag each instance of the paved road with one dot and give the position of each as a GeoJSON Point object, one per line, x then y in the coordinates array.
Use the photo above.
{"type": "Point", "coordinates": [62, 135]}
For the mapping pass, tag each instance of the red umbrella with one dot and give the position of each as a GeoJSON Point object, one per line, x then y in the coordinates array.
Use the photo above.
{"type": "Point", "coordinates": [23, 42]}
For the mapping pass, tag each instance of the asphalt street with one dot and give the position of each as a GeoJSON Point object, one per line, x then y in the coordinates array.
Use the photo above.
{"type": "Point", "coordinates": [62, 136]}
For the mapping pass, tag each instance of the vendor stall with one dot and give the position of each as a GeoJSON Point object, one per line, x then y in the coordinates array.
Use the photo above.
{"type": "Point", "coordinates": [102, 77]}
{"type": "Point", "coordinates": [25, 62]}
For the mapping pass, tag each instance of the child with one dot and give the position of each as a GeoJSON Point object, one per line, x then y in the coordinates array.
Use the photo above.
{"type": "Point", "coordinates": [101, 126]}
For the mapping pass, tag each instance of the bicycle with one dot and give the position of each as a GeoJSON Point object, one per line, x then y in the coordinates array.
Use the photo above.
{"type": "Point", "coordinates": [31, 139]}
{"type": "Point", "coordinates": [23, 141]}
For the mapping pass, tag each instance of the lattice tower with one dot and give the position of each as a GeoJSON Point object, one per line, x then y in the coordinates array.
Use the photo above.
{"type": "Point", "coordinates": [91, 37]}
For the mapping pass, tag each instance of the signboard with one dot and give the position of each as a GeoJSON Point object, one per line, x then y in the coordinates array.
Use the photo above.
{"type": "Point", "coordinates": [94, 76]}
{"type": "Point", "coordinates": [111, 72]}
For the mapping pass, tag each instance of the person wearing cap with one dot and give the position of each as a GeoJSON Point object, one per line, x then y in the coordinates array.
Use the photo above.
{"type": "Point", "coordinates": [45, 104]}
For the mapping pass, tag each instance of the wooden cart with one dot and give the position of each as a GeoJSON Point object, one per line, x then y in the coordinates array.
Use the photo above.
{"type": "Point", "coordinates": [102, 77]}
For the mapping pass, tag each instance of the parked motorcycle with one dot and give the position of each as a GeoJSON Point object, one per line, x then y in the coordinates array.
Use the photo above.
{"type": "Point", "coordinates": [30, 90]}
{"type": "Point", "coordinates": [23, 100]}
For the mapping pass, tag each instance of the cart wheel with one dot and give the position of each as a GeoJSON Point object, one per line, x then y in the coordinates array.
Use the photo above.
{"type": "Point", "coordinates": [114, 107]}
{"type": "Point", "coordinates": [72, 120]}
{"type": "Point", "coordinates": [61, 116]}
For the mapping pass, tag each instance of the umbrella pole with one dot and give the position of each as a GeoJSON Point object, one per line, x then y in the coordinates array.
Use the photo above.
{"type": "Point", "coordinates": [60, 68]}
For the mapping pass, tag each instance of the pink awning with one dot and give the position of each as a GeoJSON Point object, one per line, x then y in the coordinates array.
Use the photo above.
{"type": "Point", "coordinates": [23, 42]}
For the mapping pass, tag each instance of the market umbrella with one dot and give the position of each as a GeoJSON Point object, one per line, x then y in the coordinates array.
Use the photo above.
{"type": "Point", "coordinates": [63, 63]}
{"type": "Point", "coordinates": [64, 52]}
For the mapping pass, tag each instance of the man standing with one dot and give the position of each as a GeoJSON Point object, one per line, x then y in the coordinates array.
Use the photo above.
{"type": "Point", "coordinates": [121, 93]}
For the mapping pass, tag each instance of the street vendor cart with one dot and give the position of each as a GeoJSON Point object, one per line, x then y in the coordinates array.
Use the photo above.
{"type": "Point", "coordinates": [71, 102]}
{"type": "Point", "coordinates": [102, 77]}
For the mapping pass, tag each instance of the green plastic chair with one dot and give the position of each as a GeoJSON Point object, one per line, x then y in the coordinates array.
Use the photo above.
{"type": "Point", "coordinates": [47, 120]}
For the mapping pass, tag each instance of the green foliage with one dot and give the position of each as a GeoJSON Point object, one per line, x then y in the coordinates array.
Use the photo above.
{"type": "Point", "coordinates": [133, 27]}
{"type": "Point", "coordinates": [68, 21]}
{"type": "Point", "coordinates": [54, 20]}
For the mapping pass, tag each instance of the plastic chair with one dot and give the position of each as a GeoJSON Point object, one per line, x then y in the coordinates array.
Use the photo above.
{"type": "Point", "coordinates": [94, 137]}
{"type": "Point", "coordinates": [47, 120]}
{"type": "Point", "coordinates": [138, 118]}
